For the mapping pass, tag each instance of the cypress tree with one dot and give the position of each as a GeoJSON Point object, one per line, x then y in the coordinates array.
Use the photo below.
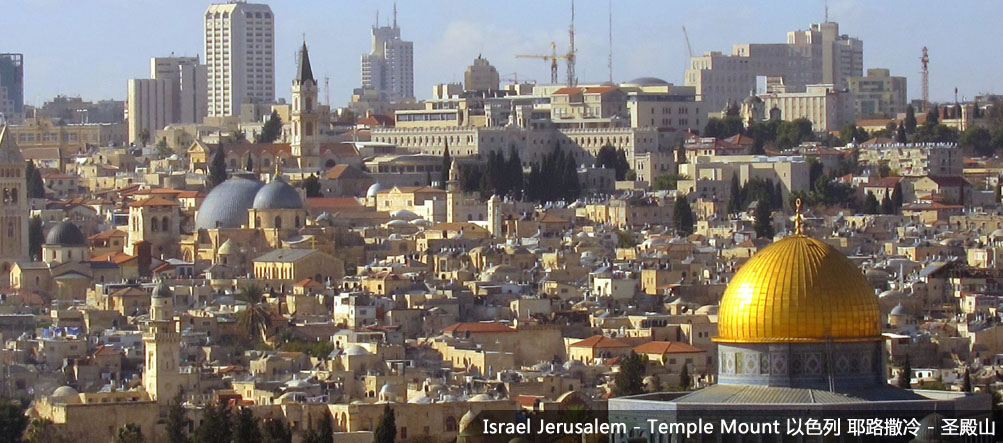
{"type": "Point", "coordinates": [966, 384]}
{"type": "Point", "coordinates": [447, 163]}
{"type": "Point", "coordinates": [871, 205]}
{"type": "Point", "coordinates": [217, 168]}
{"type": "Point", "coordinates": [386, 431]}
{"type": "Point", "coordinates": [735, 198]}
{"type": "Point", "coordinates": [906, 374]}
{"type": "Point", "coordinates": [910, 119]}
{"type": "Point", "coordinates": [682, 215]}
{"type": "Point", "coordinates": [763, 223]}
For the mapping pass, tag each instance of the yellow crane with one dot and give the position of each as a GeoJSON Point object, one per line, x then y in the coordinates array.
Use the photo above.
{"type": "Point", "coordinates": [552, 58]}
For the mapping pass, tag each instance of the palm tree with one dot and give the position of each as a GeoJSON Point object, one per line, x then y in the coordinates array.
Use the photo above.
{"type": "Point", "coordinates": [257, 318]}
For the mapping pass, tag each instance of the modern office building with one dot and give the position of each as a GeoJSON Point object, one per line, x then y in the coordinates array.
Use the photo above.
{"type": "Point", "coordinates": [480, 76]}
{"type": "Point", "coordinates": [189, 92]}
{"type": "Point", "coordinates": [389, 67]}
{"type": "Point", "coordinates": [11, 84]}
{"type": "Point", "coordinates": [150, 105]}
{"type": "Point", "coordinates": [819, 54]}
{"type": "Point", "coordinates": [878, 94]}
{"type": "Point", "coordinates": [239, 55]}
{"type": "Point", "coordinates": [826, 106]}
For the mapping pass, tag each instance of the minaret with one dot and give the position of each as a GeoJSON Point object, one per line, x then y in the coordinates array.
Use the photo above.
{"type": "Point", "coordinates": [161, 376]}
{"type": "Point", "coordinates": [13, 204]}
{"type": "Point", "coordinates": [304, 117]}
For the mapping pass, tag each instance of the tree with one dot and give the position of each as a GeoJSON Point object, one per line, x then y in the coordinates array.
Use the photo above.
{"type": "Point", "coordinates": [932, 117]}
{"type": "Point", "coordinates": [325, 430]}
{"type": "Point", "coordinates": [276, 431]}
{"type": "Point", "coordinates": [217, 168]}
{"type": "Point", "coordinates": [514, 171]}
{"type": "Point", "coordinates": [35, 238]}
{"type": "Point", "coordinates": [887, 206]}
{"type": "Point", "coordinates": [36, 187]}
{"type": "Point", "coordinates": [900, 136]}
{"type": "Point", "coordinates": [681, 153]}
{"type": "Point", "coordinates": [12, 421]}
{"type": "Point", "coordinates": [176, 422]}
{"type": "Point", "coordinates": [669, 182]}
{"type": "Point", "coordinates": [871, 205]}
{"type": "Point", "coordinates": [42, 430]}
{"type": "Point", "coordinates": [684, 377]}
{"type": "Point", "coordinates": [682, 216]}
{"type": "Point", "coordinates": [792, 133]}
{"type": "Point", "coordinates": [606, 157]}
{"type": "Point", "coordinates": [625, 239]}
{"type": "Point", "coordinates": [910, 119]}
{"type": "Point", "coordinates": [312, 186]}
{"type": "Point", "coordinates": [979, 140]}
{"type": "Point", "coordinates": [144, 137]}
{"type": "Point", "coordinates": [271, 130]}
{"type": "Point", "coordinates": [763, 223]}
{"type": "Point", "coordinates": [250, 163]}
{"type": "Point", "coordinates": [897, 195]}
{"type": "Point", "coordinates": [630, 379]}
{"type": "Point", "coordinates": [906, 374]}
{"type": "Point", "coordinates": [257, 317]}
{"type": "Point", "coordinates": [966, 384]}
{"type": "Point", "coordinates": [447, 164]}
{"type": "Point", "coordinates": [386, 431]}
{"type": "Point", "coordinates": [735, 196]}
{"type": "Point", "coordinates": [246, 428]}
{"type": "Point", "coordinates": [217, 425]}
{"type": "Point", "coordinates": [163, 149]}
{"type": "Point", "coordinates": [130, 433]}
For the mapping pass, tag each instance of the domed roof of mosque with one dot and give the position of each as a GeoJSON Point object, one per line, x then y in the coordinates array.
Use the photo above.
{"type": "Point", "coordinates": [277, 194]}
{"type": "Point", "coordinates": [227, 204]}
{"type": "Point", "coordinates": [798, 290]}
{"type": "Point", "coordinates": [65, 233]}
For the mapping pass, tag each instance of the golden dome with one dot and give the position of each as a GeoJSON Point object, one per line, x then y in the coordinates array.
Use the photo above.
{"type": "Point", "coordinates": [798, 290]}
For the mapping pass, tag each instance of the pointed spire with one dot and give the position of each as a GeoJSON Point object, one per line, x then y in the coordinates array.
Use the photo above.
{"type": "Point", "coordinates": [303, 71]}
{"type": "Point", "coordinates": [9, 152]}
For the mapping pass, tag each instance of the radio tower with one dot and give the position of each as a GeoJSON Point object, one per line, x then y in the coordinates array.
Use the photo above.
{"type": "Point", "coordinates": [572, 81]}
{"type": "Point", "coordinates": [926, 78]}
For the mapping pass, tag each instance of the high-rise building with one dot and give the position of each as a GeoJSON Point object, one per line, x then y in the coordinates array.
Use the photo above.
{"type": "Point", "coordinates": [817, 55]}
{"type": "Point", "coordinates": [389, 66]}
{"type": "Point", "coordinates": [239, 55]}
{"type": "Point", "coordinates": [189, 79]}
{"type": "Point", "coordinates": [481, 76]}
{"type": "Point", "coordinates": [878, 94]}
{"type": "Point", "coordinates": [150, 106]}
{"type": "Point", "coordinates": [11, 84]}
{"type": "Point", "coordinates": [14, 203]}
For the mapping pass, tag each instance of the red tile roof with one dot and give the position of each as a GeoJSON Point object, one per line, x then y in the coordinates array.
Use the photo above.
{"type": "Point", "coordinates": [599, 341]}
{"type": "Point", "coordinates": [476, 327]}
{"type": "Point", "coordinates": [153, 201]}
{"type": "Point", "coordinates": [665, 347]}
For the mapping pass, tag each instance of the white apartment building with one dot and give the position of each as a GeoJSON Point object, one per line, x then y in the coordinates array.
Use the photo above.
{"type": "Point", "coordinates": [827, 108]}
{"type": "Point", "coordinates": [150, 106]}
{"type": "Point", "coordinates": [818, 54]}
{"type": "Point", "coordinates": [189, 92]}
{"type": "Point", "coordinates": [388, 69]}
{"type": "Point", "coordinates": [878, 94]}
{"type": "Point", "coordinates": [240, 56]}
{"type": "Point", "coordinates": [914, 159]}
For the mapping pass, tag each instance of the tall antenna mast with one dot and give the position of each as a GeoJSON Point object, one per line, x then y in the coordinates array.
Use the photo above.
{"type": "Point", "coordinates": [327, 90]}
{"type": "Point", "coordinates": [571, 49]}
{"type": "Point", "coordinates": [826, 11]}
{"type": "Point", "coordinates": [926, 78]}
{"type": "Point", "coordinates": [610, 61]}
{"type": "Point", "coordinates": [395, 14]}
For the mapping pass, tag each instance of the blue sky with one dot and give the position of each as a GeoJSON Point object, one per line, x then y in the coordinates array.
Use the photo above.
{"type": "Point", "coordinates": [90, 48]}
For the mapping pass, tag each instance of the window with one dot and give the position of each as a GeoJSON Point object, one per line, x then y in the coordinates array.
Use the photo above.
{"type": "Point", "coordinates": [278, 222]}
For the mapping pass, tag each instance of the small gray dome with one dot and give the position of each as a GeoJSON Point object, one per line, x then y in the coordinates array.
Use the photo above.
{"type": "Point", "coordinates": [227, 204]}
{"type": "Point", "coordinates": [162, 291]}
{"type": "Point", "coordinates": [647, 81]}
{"type": "Point", "coordinates": [900, 310]}
{"type": "Point", "coordinates": [65, 234]}
{"type": "Point", "coordinates": [277, 194]}
{"type": "Point", "coordinates": [374, 189]}
{"type": "Point", "coordinates": [63, 391]}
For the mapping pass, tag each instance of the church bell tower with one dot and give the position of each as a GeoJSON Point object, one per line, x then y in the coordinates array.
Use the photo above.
{"type": "Point", "coordinates": [14, 203]}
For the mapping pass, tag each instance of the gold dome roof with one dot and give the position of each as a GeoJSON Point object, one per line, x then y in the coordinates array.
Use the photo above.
{"type": "Point", "coordinates": [798, 290]}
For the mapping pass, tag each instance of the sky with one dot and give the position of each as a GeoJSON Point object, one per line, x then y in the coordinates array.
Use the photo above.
{"type": "Point", "coordinates": [91, 48]}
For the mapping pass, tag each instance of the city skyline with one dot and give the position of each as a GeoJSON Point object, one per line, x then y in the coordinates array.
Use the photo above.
{"type": "Point", "coordinates": [647, 40]}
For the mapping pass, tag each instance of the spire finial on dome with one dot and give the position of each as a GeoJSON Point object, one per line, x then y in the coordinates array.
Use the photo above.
{"type": "Point", "coordinates": [798, 219]}
{"type": "Point", "coordinates": [278, 170]}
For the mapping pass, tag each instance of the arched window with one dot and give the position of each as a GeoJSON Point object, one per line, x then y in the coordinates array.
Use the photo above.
{"type": "Point", "coordinates": [297, 221]}
{"type": "Point", "coordinates": [278, 222]}
{"type": "Point", "coordinates": [154, 226]}
{"type": "Point", "coordinates": [10, 228]}
{"type": "Point", "coordinates": [257, 221]}
{"type": "Point", "coordinates": [309, 104]}
{"type": "Point", "coordinates": [165, 225]}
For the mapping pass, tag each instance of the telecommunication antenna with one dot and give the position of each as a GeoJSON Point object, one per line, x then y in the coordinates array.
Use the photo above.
{"type": "Point", "coordinates": [610, 61]}
{"type": "Point", "coordinates": [572, 81]}
{"type": "Point", "coordinates": [327, 90]}
{"type": "Point", "coordinates": [926, 78]}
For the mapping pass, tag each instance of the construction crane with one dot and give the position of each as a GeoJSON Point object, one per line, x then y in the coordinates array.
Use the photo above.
{"type": "Point", "coordinates": [514, 78]}
{"type": "Point", "coordinates": [570, 57]}
{"type": "Point", "coordinates": [552, 58]}
{"type": "Point", "coordinates": [686, 36]}
{"type": "Point", "coordinates": [925, 59]}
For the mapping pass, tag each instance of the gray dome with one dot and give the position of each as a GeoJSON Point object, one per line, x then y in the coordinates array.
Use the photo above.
{"type": "Point", "coordinates": [227, 204]}
{"type": "Point", "coordinates": [647, 81]}
{"type": "Point", "coordinates": [277, 194]}
{"type": "Point", "coordinates": [900, 310]}
{"type": "Point", "coordinates": [374, 189]}
{"type": "Point", "coordinates": [162, 291]}
{"type": "Point", "coordinates": [66, 234]}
